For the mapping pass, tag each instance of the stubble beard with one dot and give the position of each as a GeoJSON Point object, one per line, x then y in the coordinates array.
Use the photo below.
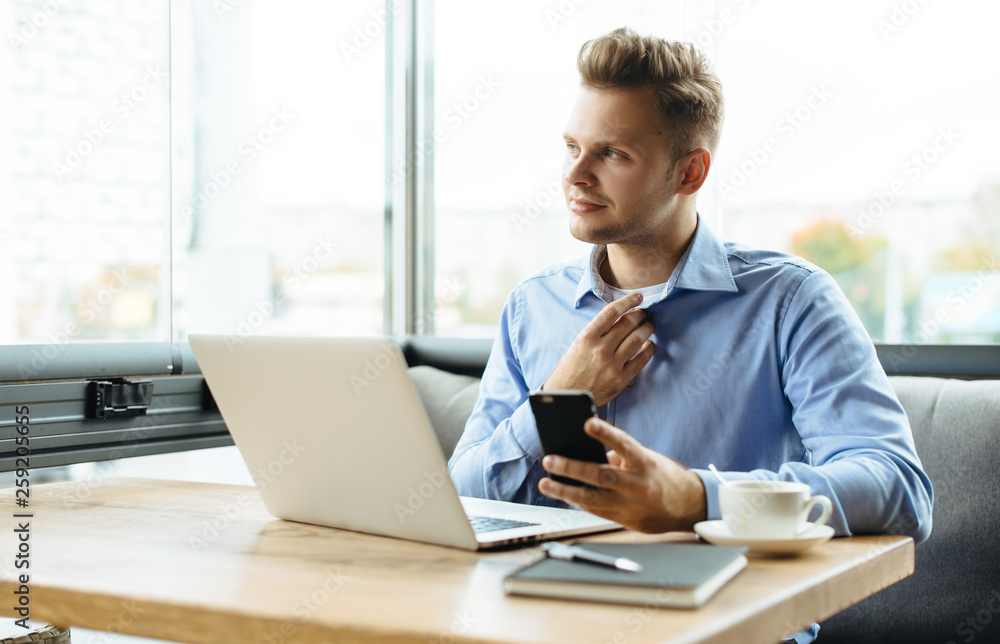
{"type": "Point", "coordinates": [628, 234]}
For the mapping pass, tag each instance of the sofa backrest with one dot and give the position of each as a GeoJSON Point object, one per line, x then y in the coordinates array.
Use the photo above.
{"type": "Point", "coordinates": [954, 595]}
{"type": "Point", "coordinates": [448, 399]}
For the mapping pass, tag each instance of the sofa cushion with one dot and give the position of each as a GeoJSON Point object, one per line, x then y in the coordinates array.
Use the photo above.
{"type": "Point", "coordinates": [954, 593]}
{"type": "Point", "coordinates": [448, 400]}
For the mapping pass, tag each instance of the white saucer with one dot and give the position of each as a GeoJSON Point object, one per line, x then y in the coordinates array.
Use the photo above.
{"type": "Point", "coordinates": [717, 532]}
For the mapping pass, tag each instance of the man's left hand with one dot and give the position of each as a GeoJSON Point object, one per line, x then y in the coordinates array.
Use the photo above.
{"type": "Point", "coordinates": [639, 488]}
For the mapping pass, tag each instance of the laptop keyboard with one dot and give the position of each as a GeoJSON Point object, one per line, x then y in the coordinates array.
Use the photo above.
{"type": "Point", "coordinates": [489, 524]}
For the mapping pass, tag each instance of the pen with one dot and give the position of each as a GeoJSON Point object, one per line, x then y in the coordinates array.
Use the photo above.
{"type": "Point", "coordinates": [568, 552]}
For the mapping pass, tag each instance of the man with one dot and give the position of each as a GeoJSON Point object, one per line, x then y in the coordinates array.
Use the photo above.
{"type": "Point", "coordinates": [695, 351]}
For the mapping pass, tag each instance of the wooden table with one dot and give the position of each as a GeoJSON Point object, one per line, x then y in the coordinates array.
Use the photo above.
{"type": "Point", "coordinates": [196, 562]}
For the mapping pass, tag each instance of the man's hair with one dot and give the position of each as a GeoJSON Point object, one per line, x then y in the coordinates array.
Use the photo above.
{"type": "Point", "coordinates": [688, 93]}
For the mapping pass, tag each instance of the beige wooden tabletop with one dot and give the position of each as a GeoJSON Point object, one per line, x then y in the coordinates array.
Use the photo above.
{"type": "Point", "coordinates": [194, 562]}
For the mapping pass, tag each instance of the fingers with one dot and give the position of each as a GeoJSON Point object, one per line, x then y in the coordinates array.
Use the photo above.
{"type": "Point", "coordinates": [595, 474]}
{"type": "Point", "coordinates": [626, 460]}
{"type": "Point", "coordinates": [625, 447]}
{"type": "Point", "coordinates": [607, 317]}
{"type": "Point", "coordinates": [609, 353]}
{"type": "Point", "coordinates": [637, 345]}
{"type": "Point", "coordinates": [593, 500]}
{"type": "Point", "coordinates": [630, 333]}
{"type": "Point", "coordinates": [625, 335]}
{"type": "Point", "coordinates": [639, 488]}
{"type": "Point", "coordinates": [639, 360]}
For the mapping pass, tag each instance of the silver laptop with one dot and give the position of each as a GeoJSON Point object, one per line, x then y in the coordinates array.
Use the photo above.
{"type": "Point", "coordinates": [334, 434]}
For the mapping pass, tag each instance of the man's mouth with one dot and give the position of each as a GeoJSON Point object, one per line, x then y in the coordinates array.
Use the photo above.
{"type": "Point", "coordinates": [583, 207]}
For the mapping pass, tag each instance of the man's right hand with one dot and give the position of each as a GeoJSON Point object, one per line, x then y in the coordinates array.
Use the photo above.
{"type": "Point", "coordinates": [610, 351]}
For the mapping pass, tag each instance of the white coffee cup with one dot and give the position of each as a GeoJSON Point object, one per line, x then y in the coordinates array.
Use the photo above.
{"type": "Point", "coordinates": [770, 509]}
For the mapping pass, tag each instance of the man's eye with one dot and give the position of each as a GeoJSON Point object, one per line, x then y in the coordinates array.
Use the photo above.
{"type": "Point", "coordinates": [611, 154]}
{"type": "Point", "coordinates": [571, 148]}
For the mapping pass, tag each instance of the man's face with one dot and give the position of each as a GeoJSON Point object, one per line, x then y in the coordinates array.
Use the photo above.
{"type": "Point", "coordinates": [617, 176]}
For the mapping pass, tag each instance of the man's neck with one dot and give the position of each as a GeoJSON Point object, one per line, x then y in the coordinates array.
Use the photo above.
{"type": "Point", "coordinates": [631, 266]}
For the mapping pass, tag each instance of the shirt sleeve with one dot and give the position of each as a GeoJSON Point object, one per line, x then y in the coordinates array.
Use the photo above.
{"type": "Point", "coordinates": [849, 419]}
{"type": "Point", "coordinates": [499, 454]}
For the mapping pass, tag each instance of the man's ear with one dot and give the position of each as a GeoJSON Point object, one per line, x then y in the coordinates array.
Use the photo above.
{"type": "Point", "coordinates": [694, 165]}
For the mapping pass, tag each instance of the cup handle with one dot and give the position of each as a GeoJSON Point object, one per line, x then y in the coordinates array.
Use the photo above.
{"type": "Point", "coordinates": [824, 516]}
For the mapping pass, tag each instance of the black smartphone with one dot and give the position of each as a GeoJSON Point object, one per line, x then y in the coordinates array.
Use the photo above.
{"type": "Point", "coordinates": [559, 417]}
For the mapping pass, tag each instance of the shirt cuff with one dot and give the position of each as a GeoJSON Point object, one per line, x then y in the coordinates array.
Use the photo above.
{"type": "Point", "coordinates": [524, 432]}
{"type": "Point", "coordinates": [804, 637]}
{"type": "Point", "coordinates": [711, 494]}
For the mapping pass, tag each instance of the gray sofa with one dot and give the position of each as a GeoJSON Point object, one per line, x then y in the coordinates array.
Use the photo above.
{"type": "Point", "coordinates": [954, 595]}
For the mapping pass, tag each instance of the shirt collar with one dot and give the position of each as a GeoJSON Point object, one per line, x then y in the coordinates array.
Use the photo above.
{"type": "Point", "coordinates": [704, 267]}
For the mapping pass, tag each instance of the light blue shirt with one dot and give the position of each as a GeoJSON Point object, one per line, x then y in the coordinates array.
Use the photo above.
{"type": "Point", "coordinates": [761, 367]}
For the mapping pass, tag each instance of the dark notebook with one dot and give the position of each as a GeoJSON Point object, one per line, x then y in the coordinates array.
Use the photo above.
{"type": "Point", "coordinates": [673, 574]}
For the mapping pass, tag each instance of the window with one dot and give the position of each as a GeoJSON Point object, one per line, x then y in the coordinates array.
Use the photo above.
{"type": "Point", "coordinates": [212, 167]}
{"type": "Point", "coordinates": [85, 172]}
{"type": "Point", "coordinates": [871, 157]}
{"type": "Point", "coordinates": [279, 157]}
{"type": "Point", "coordinates": [849, 140]}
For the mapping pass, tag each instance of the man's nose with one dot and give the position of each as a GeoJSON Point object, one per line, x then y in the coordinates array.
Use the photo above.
{"type": "Point", "coordinates": [578, 171]}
